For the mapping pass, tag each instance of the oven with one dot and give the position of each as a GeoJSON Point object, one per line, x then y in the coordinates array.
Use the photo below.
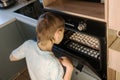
{"type": "Point", "coordinates": [85, 43]}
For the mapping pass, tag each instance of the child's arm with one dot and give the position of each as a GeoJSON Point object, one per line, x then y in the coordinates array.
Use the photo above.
{"type": "Point", "coordinates": [69, 67]}
{"type": "Point", "coordinates": [12, 58]}
{"type": "Point", "coordinates": [68, 74]}
{"type": "Point", "coordinates": [19, 53]}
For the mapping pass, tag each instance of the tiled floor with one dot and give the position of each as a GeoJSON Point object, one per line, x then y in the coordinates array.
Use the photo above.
{"type": "Point", "coordinates": [23, 75]}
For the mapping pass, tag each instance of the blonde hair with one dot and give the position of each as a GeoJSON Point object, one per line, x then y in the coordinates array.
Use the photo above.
{"type": "Point", "coordinates": [48, 24]}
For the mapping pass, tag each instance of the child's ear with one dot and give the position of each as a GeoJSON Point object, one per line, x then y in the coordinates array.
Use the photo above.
{"type": "Point", "coordinates": [57, 33]}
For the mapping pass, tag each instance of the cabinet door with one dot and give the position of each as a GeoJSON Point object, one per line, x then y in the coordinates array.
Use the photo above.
{"type": "Point", "coordinates": [114, 14]}
{"type": "Point", "coordinates": [117, 75]}
{"type": "Point", "coordinates": [27, 31]}
{"type": "Point", "coordinates": [10, 39]}
{"type": "Point", "coordinates": [111, 74]}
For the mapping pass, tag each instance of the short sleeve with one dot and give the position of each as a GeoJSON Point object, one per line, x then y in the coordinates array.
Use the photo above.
{"type": "Point", "coordinates": [54, 72]}
{"type": "Point", "coordinates": [19, 53]}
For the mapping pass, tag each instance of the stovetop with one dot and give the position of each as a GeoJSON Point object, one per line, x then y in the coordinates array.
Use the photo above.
{"type": "Point", "coordinates": [33, 10]}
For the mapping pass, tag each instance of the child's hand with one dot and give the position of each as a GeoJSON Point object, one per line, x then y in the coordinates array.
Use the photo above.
{"type": "Point", "coordinates": [66, 62]}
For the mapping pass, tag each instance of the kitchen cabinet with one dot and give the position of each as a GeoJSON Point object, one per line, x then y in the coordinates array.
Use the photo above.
{"type": "Point", "coordinates": [114, 57]}
{"type": "Point", "coordinates": [27, 31]}
{"type": "Point", "coordinates": [114, 14]}
{"type": "Point", "coordinates": [117, 75]}
{"type": "Point", "coordinates": [10, 38]}
{"type": "Point", "coordinates": [114, 24]}
{"type": "Point", "coordinates": [91, 10]}
{"type": "Point", "coordinates": [111, 74]}
{"type": "Point", "coordinates": [114, 54]}
{"type": "Point", "coordinates": [111, 38]}
{"type": "Point", "coordinates": [114, 49]}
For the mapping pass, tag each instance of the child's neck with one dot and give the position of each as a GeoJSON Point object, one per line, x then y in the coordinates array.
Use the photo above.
{"type": "Point", "coordinates": [46, 47]}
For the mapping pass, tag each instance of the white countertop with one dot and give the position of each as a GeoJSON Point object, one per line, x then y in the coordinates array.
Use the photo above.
{"type": "Point", "coordinates": [8, 15]}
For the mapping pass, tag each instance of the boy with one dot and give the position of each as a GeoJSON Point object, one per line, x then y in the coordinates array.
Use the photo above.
{"type": "Point", "coordinates": [41, 62]}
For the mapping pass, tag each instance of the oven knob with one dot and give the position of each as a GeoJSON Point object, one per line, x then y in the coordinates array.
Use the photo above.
{"type": "Point", "coordinates": [82, 26]}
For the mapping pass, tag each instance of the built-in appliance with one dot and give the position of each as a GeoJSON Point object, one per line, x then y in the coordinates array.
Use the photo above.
{"type": "Point", "coordinates": [84, 42]}
{"type": "Point", "coordinates": [6, 3]}
{"type": "Point", "coordinates": [33, 10]}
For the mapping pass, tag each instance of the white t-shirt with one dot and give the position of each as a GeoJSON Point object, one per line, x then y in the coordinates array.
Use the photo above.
{"type": "Point", "coordinates": [42, 65]}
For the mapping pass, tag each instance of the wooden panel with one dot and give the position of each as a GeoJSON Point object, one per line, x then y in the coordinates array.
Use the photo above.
{"type": "Point", "coordinates": [111, 74]}
{"type": "Point", "coordinates": [114, 55]}
{"type": "Point", "coordinates": [113, 60]}
{"type": "Point", "coordinates": [80, 8]}
{"type": "Point", "coordinates": [106, 10]}
{"type": "Point", "coordinates": [23, 75]}
{"type": "Point", "coordinates": [47, 2]}
{"type": "Point", "coordinates": [112, 36]}
{"type": "Point", "coordinates": [116, 45]}
{"type": "Point", "coordinates": [114, 14]}
{"type": "Point", "coordinates": [117, 75]}
{"type": "Point", "coordinates": [10, 38]}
